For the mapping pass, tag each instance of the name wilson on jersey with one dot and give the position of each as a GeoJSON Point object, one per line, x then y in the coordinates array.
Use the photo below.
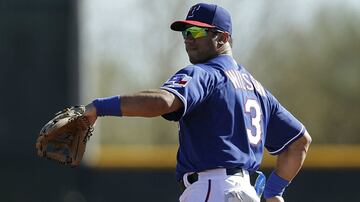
{"type": "Point", "coordinates": [244, 81]}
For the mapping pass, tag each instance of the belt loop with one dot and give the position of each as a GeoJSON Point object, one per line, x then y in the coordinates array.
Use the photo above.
{"type": "Point", "coordinates": [185, 180]}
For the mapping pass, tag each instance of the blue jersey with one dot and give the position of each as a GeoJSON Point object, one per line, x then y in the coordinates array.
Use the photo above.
{"type": "Point", "coordinates": [227, 119]}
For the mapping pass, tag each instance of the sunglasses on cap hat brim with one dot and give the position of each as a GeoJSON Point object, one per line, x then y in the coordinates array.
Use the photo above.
{"type": "Point", "coordinates": [183, 24]}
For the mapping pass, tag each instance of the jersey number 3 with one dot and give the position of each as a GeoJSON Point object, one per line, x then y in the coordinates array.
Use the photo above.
{"type": "Point", "coordinates": [255, 121]}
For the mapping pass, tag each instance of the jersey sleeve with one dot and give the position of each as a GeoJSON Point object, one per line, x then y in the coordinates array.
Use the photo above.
{"type": "Point", "coordinates": [283, 128]}
{"type": "Point", "coordinates": [191, 85]}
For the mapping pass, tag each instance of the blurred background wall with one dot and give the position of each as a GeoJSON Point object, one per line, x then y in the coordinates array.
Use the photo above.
{"type": "Point", "coordinates": [59, 53]}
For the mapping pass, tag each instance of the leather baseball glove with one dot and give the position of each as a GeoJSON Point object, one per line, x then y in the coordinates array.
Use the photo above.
{"type": "Point", "coordinates": [64, 137]}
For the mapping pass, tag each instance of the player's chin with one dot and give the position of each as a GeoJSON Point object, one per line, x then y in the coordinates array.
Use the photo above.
{"type": "Point", "coordinates": [197, 60]}
{"type": "Point", "coordinates": [194, 59]}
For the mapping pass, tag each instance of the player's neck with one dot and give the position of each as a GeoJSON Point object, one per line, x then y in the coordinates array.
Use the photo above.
{"type": "Point", "coordinates": [225, 50]}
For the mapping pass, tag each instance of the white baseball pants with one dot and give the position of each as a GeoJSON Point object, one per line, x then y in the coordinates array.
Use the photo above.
{"type": "Point", "coordinates": [216, 186]}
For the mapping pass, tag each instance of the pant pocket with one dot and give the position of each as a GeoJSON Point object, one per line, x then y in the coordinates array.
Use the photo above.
{"type": "Point", "coordinates": [240, 196]}
{"type": "Point", "coordinates": [196, 192]}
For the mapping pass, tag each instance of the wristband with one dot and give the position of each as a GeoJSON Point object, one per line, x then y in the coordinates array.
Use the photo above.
{"type": "Point", "coordinates": [108, 106]}
{"type": "Point", "coordinates": [275, 186]}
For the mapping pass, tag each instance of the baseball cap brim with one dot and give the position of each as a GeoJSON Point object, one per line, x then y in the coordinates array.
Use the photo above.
{"type": "Point", "coordinates": [181, 25]}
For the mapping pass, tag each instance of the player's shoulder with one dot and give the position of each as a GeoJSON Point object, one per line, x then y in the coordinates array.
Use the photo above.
{"type": "Point", "coordinates": [198, 67]}
{"type": "Point", "coordinates": [272, 102]}
{"type": "Point", "coordinates": [197, 70]}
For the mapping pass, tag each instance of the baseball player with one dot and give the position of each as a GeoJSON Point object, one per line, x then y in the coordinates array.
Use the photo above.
{"type": "Point", "coordinates": [226, 117]}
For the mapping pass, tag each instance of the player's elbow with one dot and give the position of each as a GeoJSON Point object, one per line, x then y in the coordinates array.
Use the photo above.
{"type": "Point", "coordinates": [163, 103]}
{"type": "Point", "coordinates": [306, 140]}
{"type": "Point", "coordinates": [302, 144]}
{"type": "Point", "coordinates": [167, 102]}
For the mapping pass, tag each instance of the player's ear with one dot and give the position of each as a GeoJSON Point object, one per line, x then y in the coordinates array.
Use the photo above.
{"type": "Point", "coordinates": [222, 38]}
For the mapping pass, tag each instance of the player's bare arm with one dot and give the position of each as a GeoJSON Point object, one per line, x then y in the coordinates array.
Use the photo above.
{"type": "Point", "coordinates": [290, 161]}
{"type": "Point", "coordinates": [149, 103]}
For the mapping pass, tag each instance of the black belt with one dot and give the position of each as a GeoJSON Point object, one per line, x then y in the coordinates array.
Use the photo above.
{"type": "Point", "coordinates": [191, 178]}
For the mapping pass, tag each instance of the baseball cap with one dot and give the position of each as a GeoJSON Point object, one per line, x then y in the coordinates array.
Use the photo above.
{"type": "Point", "coordinates": [205, 15]}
